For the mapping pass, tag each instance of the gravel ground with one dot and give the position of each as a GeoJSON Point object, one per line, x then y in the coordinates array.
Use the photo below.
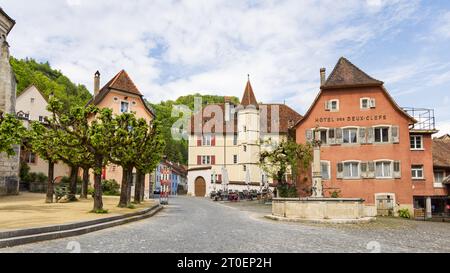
{"type": "Point", "coordinates": [200, 225]}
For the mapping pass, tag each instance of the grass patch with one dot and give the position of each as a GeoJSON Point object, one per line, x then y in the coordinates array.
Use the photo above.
{"type": "Point", "coordinates": [100, 211]}
{"type": "Point", "coordinates": [131, 206]}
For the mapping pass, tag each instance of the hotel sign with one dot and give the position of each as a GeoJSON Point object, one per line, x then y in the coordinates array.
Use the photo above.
{"type": "Point", "coordinates": [351, 119]}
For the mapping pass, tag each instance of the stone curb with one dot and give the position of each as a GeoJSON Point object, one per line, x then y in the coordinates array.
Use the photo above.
{"type": "Point", "coordinates": [21, 237]}
{"type": "Point", "coordinates": [322, 221]}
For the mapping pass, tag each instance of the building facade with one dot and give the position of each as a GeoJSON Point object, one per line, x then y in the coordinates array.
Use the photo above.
{"type": "Point", "coordinates": [9, 165]}
{"type": "Point", "coordinates": [225, 142]}
{"type": "Point", "coordinates": [371, 148]}
{"type": "Point", "coordinates": [170, 174]}
{"type": "Point", "coordinates": [121, 95]}
{"type": "Point", "coordinates": [31, 105]}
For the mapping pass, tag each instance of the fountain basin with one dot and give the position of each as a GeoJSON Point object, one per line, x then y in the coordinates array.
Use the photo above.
{"type": "Point", "coordinates": [320, 210]}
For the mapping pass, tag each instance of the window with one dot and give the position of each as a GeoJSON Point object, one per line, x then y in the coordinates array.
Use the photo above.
{"type": "Point", "coordinates": [351, 170]}
{"type": "Point", "coordinates": [235, 159]}
{"type": "Point", "coordinates": [365, 103]}
{"type": "Point", "coordinates": [41, 119]}
{"type": "Point", "coordinates": [417, 172]}
{"type": "Point", "coordinates": [383, 169]}
{"type": "Point", "coordinates": [381, 135]}
{"type": "Point", "coordinates": [124, 107]}
{"type": "Point", "coordinates": [32, 100]}
{"type": "Point", "coordinates": [245, 148]}
{"type": "Point", "coordinates": [245, 128]}
{"type": "Point", "coordinates": [235, 140]}
{"type": "Point", "coordinates": [438, 177]}
{"type": "Point", "coordinates": [323, 136]}
{"type": "Point", "coordinates": [332, 105]}
{"type": "Point", "coordinates": [416, 142]}
{"type": "Point", "coordinates": [325, 170]}
{"type": "Point", "coordinates": [207, 140]}
{"type": "Point", "coordinates": [206, 160]}
{"type": "Point", "coordinates": [245, 168]}
{"type": "Point", "coordinates": [350, 136]}
{"type": "Point", "coordinates": [31, 158]}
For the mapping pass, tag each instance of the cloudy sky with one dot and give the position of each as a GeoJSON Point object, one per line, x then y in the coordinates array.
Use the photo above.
{"type": "Point", "coordinates": [172, 48]}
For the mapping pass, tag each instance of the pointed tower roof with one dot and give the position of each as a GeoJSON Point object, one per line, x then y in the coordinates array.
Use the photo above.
{"type": "Point", "coordinates": [346, 74]}
{"type": "Point", "coordinates": [249, 96]}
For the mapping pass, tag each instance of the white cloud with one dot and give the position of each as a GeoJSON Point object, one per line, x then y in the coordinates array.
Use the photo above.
{"type": "Point", "coordinates": [171, 48]}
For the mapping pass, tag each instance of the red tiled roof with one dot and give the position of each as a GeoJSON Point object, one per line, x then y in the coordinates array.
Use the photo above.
{"type": "Point", "coordinates": [346, 74]}
{"type": "Point", "coordinates": [441, 153]}
{"type": "Point", "coordinates": [249, 96]}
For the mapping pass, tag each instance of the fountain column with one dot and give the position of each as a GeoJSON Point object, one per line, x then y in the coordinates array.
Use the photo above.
{"type": "Point", "coordinates": [317, 189]}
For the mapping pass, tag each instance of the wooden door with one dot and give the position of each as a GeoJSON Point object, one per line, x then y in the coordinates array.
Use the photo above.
{"type": "Point", "coordinates": [200, 187]}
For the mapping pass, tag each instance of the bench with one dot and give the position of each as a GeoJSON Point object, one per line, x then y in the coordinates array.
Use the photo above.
{"type": "Point", "coordinates": [61, 192]}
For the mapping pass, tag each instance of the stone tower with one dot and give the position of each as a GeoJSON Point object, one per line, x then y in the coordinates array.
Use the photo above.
{"type": "Point", "coordinates": [9, 166]}
{"type": "Point", "coordinates": [249, 134]}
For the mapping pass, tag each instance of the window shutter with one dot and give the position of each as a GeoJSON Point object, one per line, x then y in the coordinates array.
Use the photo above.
{"type": "Point", "coordinates": [371, 169]}
{"type": "Point", "coordinates": [340, 171]}
{"type": "Point", "coordinates": [397, 169]}
{"type": "Point", "coordinates": [370, 135]}
{"type": "Point", "coordinates": [213, 140]}
{"type": "Point", "coordinates": [339, 136]}
{"type": "Point", "coordinates": [364, 169]}
{"type": "Point", "coordinates": [309, 135]}
{"type": "Point", "coordinates": [199, 141]}
{"type": "Point", "coordinates": [199, 160]}
{"type": "Point", "coordinates": [220, 178]}
{"type": "Point", "coordinates": [327, 106]}
{"type": "Point", "coordinates": [373, 103]}
{"type": "Point", "coordinates": [213, 160]}
{"type": "Point", "coordinates": [395, 133]}
{"type": "Point", "coordinates": [362, 136]}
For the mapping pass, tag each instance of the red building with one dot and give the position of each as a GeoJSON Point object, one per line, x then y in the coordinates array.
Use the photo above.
{"type": "Point", "coordinates": [371, 147]}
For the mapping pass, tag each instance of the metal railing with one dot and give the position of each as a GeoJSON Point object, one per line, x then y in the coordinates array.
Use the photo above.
{"type": "Point", "coordinates": [425, 118]}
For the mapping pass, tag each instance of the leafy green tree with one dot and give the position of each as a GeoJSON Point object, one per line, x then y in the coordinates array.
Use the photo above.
{"type": "Point", "coordinates": [11, 133]}
{"type": "Point", "coordinates": [285, 157]}
{"type": "Point", "coordinates": [148, 159]}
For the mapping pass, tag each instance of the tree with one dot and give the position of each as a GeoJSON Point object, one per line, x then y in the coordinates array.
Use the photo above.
{"type": "Point", "coordinates": [285, 157]}
{"type": "Point", "coordinates": [148, 159]}
{"type": "Point", "coordinates": [11, 133]}
{"type": "Point", "coordinates": [45, 142]}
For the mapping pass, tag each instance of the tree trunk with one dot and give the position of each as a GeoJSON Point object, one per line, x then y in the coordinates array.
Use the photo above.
{"type": "Point", "coordinates": [50, 189]}
{"type": "Point", "coordinates": [143, 187]}
{"type": "Point", "coordinates": [98, 200]}
{"type": "Point", "coordinates": [129, 184]}
{"type": "Point", "coordinates": [73, 184]}
{"type": "Point", "coordinates": [85, 186]}
{"type": "Point", "coordinates": [138, 188]}
{"type": "Point", "coordinates": [123, 203]}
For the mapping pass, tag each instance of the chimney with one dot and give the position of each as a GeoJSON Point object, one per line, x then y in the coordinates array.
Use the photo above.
{"type": "Point", "coordinates": [323, 76]}
{"type": "Point", "coordinates": [96, 83]}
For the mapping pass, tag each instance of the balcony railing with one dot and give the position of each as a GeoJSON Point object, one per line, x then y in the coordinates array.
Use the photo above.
{"type": "Point", "coordinates": [425, 118]}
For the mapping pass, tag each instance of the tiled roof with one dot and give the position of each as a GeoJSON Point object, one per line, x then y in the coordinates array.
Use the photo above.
{"type": "Point", "coordinates": [120, 82]}
{"type": "Point", "coordinates": [9, 18]}
{"type": "Point", "coordinates": [249, 96]}
{"type": "Point", "coordinates": [441, 153]}
{"type": "Point", "coordinates": [346, 74]}
{"type": "Point", "coordinates": [287, 119]}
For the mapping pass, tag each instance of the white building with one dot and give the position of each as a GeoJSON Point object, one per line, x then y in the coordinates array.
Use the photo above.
{"type": "Point", "coordinates": [227, 139]}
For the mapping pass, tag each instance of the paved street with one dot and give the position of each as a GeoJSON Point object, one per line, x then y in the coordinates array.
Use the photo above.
{"type": "Point", "coordinates": [199, 225]}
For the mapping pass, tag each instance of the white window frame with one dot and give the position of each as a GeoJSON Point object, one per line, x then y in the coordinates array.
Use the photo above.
{"type": "Point", "coordinates": [206, 160]}
{"type": "Point", "coordinates": [415, 142]}
{"type": "Point", "coordinates": [207, 140]}
{"type": "Point", "coordinates": [389, 127]}
{"type": "Point", "coordinates": [350, 128]}
{"type": "Point", "coordinates": [128, 103]}
{"type": "Point", "coordinates": [436, 183]}
{"type": "Point", "coordinates": [359, 170]}
{"type": "Point", "coordinates": [415, 169]}
{"type": "Point", "coordinates": [331, 105]}
{"type": "Point", "coordinates": [391, 168]}
{"type": "Point", "coordinates": [368, 103]}
{"type": "Point", "coordinates": [329, 169]}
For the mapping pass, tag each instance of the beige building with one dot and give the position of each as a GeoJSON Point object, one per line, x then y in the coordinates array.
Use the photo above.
{"type": "Point", "coordinates": [9, 166]}
{"type": "Point", "coordinates": [121, 95]}
{"type": "Point", "coordinates": [31, 105]}
{"type": "Point", "coordinates": [226, 140]}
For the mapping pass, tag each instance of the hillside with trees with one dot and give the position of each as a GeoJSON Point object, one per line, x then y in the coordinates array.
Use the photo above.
{"type": "Point", "coordinates": [48, 80]}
